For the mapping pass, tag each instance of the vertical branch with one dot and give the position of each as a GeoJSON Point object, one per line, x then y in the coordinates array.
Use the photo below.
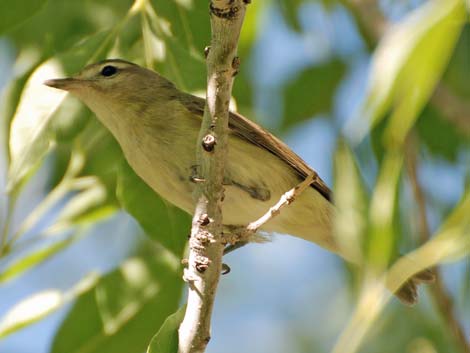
{"type": "Point", "coordinates": [206, 245]}
{"type": "Point", "coordinates": [440, 296]}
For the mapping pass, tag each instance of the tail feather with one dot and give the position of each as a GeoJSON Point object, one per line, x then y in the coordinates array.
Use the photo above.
{"type": "Point", "coordinates": [408, 292]}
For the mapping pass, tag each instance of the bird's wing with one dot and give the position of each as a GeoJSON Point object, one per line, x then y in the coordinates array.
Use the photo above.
{"type": "Point", "coordinates": [251, 132]}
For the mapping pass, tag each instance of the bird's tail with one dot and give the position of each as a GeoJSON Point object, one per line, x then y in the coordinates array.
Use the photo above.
{"type": "Point", "coordinates": [408, 292]}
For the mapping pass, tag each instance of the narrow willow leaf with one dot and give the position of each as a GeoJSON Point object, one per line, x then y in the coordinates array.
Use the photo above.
{"type": "Point", "coordinates": [382, 208]}
{"type": "Point", "coordinates": [407, 64]}
{"type": "Point", "coordinates": [451, 243]}
{"type": "Point", "coordinates": [166, 339]}
{"type": "Point", "coordinates": [350, 222]}
{"type": "Point", "coordinates": [40, 305]}
{"type": "Point", "coordinates": [34, 258]}
{"type": "Point", "coordinates": [30, 311]}
{"type": "Point", "coordinates": [124, 309]}
{"type": "Point", "coordinates": [78, 207]}
{"type": "Point", "coordinates": [29, 135]}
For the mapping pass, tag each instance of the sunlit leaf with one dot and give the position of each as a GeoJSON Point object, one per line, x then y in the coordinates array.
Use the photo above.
{"type": "Point", "coordinates": [161, 221]}
{"type": "Point", "coordinates": [350, 222]}
{"type": "Point", "coordinates": [382, 210]}
{"type": "Point", "coordinates": [30, 137]}
{"type": "Point", "coordinates": [40, 305]}
{"type": "Point", "coordinates": [450, 243]}
{"type": "Point", "coordinates": [123, 311]}
{"type": "Point", "coordinates": [166, 339]}
{"type": "Point", "coordinates": [30, 310]}
{"type": "Point", "coordinates": [33, 259]}
{"type": "Point", "coordinates": [90, 204]}
{"type": "Point", "coordinates": [407, 64]}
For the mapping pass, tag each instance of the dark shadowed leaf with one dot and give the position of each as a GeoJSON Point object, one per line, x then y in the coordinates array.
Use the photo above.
{"type": "Point", "coordinates": [290, 11]}
{"type": "Point", "coordinates": [166, 339]}
{"type": "Point", "coordinates": [13, 13]}
{"type": "Point", "coordinates": [311, 92]}
{"type": "Point", "coordinates": [161, 221]}
{"type": "Point", "coordinates": [441, 137]}
{"type": "Point", "coordinates": [125, 308]}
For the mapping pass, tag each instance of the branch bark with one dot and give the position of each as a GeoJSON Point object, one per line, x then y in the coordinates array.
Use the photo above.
{"type": "Point", "coordinates": [206, 243]}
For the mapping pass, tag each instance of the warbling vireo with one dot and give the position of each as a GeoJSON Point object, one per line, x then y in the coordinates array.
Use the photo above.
{"type": "Point", "coordinates": [157, 128]}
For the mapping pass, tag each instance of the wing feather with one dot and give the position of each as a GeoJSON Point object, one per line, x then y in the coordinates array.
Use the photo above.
{"type": "Point", "coordinates": [253, 133]}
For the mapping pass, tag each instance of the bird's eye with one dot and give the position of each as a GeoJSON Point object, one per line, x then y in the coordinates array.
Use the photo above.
{"type": "Point", "coordinates": [108, 70]}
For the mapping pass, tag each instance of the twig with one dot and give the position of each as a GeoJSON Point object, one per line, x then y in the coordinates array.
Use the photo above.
{"type": "Point", "coordinates": [442, 299]}
{"type": "Point", "coordinates": [372, 24]}
{"type": "Point", "coordinates": [241, 236]}
{"type": "Point", "coordinates": [206, 245]}
{"type": "Point", "coordinates": [286, 199]}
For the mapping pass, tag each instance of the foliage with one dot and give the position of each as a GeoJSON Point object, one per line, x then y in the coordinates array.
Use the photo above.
{"type": "Point", "coordinates": [416, 103]}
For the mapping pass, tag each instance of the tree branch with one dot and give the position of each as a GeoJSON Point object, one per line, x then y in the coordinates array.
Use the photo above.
{"type": "Point", "coordinates": [442, 299]}
{"type": "Point", "coordinates": [206, 243]}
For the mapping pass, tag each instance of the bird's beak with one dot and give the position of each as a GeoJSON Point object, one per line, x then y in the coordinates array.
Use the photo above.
{"type": "Point", "coordinates": [62, 83]}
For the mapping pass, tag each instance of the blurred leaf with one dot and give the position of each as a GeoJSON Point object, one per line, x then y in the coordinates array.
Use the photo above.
{"type": "Point", "coordinates": [451, 243]}
{"type": "Point", "coordinates": [311, 92]}
{"type": "Point", "coordinates": [40, 305]}
{"type": "Point", "coordinates": [458, 70]}
{"type": "Point", "coordinates": [183, 64]}
{"type": "Point", "coordinates": [187, 22]}
{"type": "Point", "coordinates": [15, 12]}
{"type": "Point", "coordinates": [290, 11]}
{"type": "Point", "coordinates": [166, 339]}
{"type": "Point", "coordinates": [30, 137]}
{"type": "Point", "coordinates": [34, 258]}
{"type": "Point", "coordinates": [161, 221]}
{"type": "Point", "coordinates": [30, 311]}
{"type": "Point", "coordinates": [87, 206]}
{"type": "Point", "coordinates": [350, 201]}
{"type": "Point", "coordinates": [407, 64]}
{"type": "Point", "coordinates": [382, 237]}
{"type": "Point", "coordinates": [124, 309]}
{"type": "Point", "coordinates": [442, 138]}
{"type": "Point", "coordinates": [60, 24]}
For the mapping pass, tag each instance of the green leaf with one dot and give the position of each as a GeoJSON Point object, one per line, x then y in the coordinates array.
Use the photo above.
{"type": "Point", "coordinates": [382, 237]}
{"type": "Point", "coordinates": [30, 137]}
{"type": "Point", "coordinates": [350, 201]}
{"type": "Point", "coordinates": [175, 55]}
{"type": "Point", "coordinates": [30, 311]}
{"type": "Point", "coordinates": [166, 339]}
{"type": "Point", "coordinates": [59, 24]}
{"type": "Point", "coordinates": [311, 92]}
{"type": "Point", "coordinates": [34, 258]}
{"type": "Point", "coordinates": [15, 12]}
{"type": "Point", "coordinates": [441, 136]}
{"type": "Point", "coordinates": [290, 11]}
{"type": "Point", "coordinates": [407, 64]}
{"type": "Point", "coordinates": [123, 311]}
{"type": "Point", "coordinates": [40, 305]}
{"type": "Point", "coordinates": [87, 206]}
{"type": "Point", "coordinates": [161, 221]}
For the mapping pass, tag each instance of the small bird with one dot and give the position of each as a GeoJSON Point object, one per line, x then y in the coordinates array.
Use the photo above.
{"type": "Point", "coordinates": [157, 127]}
